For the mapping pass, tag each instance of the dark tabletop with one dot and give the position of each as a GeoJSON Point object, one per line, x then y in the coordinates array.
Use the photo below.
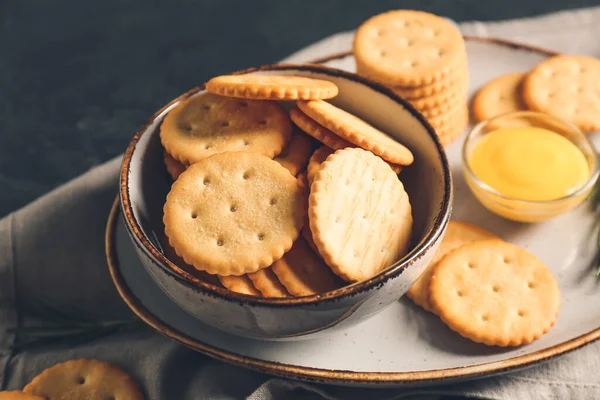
{"type": "Point", "coordinates": [77, 77]}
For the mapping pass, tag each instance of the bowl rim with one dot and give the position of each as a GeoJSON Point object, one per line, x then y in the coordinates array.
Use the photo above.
{"type": "Point", "coordinates": [156, 256]}
{"type": "Point", "coordinates": [516, 204]}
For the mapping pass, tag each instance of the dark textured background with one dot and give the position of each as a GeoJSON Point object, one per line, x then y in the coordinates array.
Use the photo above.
{"type": "Point", "coordinates": [77, 77]}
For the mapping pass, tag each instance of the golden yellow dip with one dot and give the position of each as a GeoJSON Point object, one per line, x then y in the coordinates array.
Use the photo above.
{"type": "Point", "coordinates": [529, 163]}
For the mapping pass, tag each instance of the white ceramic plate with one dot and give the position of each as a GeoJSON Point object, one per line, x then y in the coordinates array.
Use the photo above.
{"type": "Point", "coordinates": [403, 344]}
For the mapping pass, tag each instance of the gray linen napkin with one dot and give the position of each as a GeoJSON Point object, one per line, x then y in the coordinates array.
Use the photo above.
{"type": "Point", "coordinates": [52, 252]}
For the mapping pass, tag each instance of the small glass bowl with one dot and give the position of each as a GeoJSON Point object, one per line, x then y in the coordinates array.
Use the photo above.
{"type": "Point", "coordinates": [522, 210]}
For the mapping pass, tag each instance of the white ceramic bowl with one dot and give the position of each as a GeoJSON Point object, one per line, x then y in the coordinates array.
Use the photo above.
{"type": "Point", "coordinates": [144, 186]}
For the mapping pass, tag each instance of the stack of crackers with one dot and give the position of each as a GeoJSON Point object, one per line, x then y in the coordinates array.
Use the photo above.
{"type": "Point", "coordinates": [262, 208]}
{"type": "Point", "coordinates": [488, 290]}
{"type": "Point", "coordinates": [564, 86]}
{"type": "Point", "coordinates": [421, 57]}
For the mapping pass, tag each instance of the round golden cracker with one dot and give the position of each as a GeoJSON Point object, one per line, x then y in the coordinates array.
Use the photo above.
{"type": "Point", "coordinates": [450, 118]}
{"type": "Point", "coordinates": [174, 167]}
{"type": "Point", "coordinates": [267, 282]}
{"type": "Point", "coordinates": [171, 254]}
{"type": "Point", "coordinates": [321, 154]}
{"type": "Point", "coordinates": [307, 235]}
{"type": "Point", "coordinates": [356, 131]}
{"type": "Point", "coordinates": [408, 48]}
{"type": "Point", "coordinates": [453, 95]}
{"type": "Point", "coordinates": [296, 154]}
{"type": "Point", "coordinates": [495, 293]}
{"type": "Point", "coordinates": [440, 109]}
{"type": "Point", "coordinates": [395, 167]}
{"type": "Point", "coordinates": [449, 133]}
{"type": "Point", "coordinates": [456, 79]}
{"type": "Point", "coordinates": [208, 124]}
{"type": "Point", "coordinates": [567, 87]}
{"type": "Point", "coordinates": [272, 87]}
{"type": "Point", "coordinates": [317, 131]}
{"type": "Point", "coordinates": [499, 96]}
{"type": "Point", "coordinates": [457, 234]}
{"type": "Point", "coordinates": [305, 232]}
{"type": "Point", "coordinates": [17, 395]}
{"type": "Point", "coordinates": [234, 213]}
{"type": "Point", "coordinates": [84, 379]}
{"type": "Point", "coordinates": [315, 161]}
{"type": "Point", "coordinates": [359, 213]}
{"type": "Point", "coordinates": [239, 284]}
{"type": "Point", "coordinates": [303, 272]}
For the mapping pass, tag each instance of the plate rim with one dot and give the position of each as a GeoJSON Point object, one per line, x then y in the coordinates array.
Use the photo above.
{"type": "Point", "coordinates": [438, 376]}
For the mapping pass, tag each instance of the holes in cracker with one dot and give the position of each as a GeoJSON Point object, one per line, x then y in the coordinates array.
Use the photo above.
{"type": "Point", "coordinates": [414, 63]}
{"type": "Point", "coordinates": [220, 242]}
{"type": "Point", "coordinates": [225, 124]}
{"type": "Point", "coordinates": [459, 293]}
{"type": "Point", "coordinates": [194, 215]}
{"type": "Point", "coordinates": [111, 398]}
{"type": "Point", "coordinates": [233, 208]}
{"type": "Point", "coordinates": [521, 313]}
{"type": "Point", "coordinates": [206, 181]}
{"type": "Point", "coordinates": [410, 42]}
{"type": "Point", "coordinates": [530, 285]}
{"type": "Point", "coordinates": [207, 146]}
{"type": "Point", "coordinates": [382, 53]}
{"type": "Point", "coordinates": [262, 122]}
{"type": "Point", "coordinates": [261, 236]}
{"type": "Point", "coordinates": [496, 288]}
{"type": "Point", "coordinates": [206, 106]}
{"type": "Point", "coordinates": [471, 265]}
{"type": "Point", "coordinates": [338, 219]}
{"type": "Point", "coordinates": [383, 249]}
{"type": "Point", "coordinates": [380, 32]}
{"type": "Point", "coordinates": [246, 176]}
{"type": "Point", "coordinates": [245, 143]}
{"type": "Point", "coordinates": [506, 260]}
{"type": "Point", "coordinates": [80, 380]}
{"type": "Point", "coordinates": [188, 128]}
{"type": "Point", "coordinates": [244, 103]}
{"type": "Point", "coordinates": [485, 318]}
{"type": "Point", "coordinates": [273, 201]}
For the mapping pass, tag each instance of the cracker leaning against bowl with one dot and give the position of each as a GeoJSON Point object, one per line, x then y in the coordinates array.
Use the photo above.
{"type": "Point", "coordinates": [307, 307]}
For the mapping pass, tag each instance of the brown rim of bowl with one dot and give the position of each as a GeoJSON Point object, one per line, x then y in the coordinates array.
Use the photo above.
{"type": "Point", "coordinates": [156, 256]}
{"type": "Point", "coordinates": [320, 375]}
